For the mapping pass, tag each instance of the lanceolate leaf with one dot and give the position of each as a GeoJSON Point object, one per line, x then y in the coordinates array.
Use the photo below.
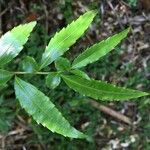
{"type": "Point", "coordinates": [98, 50]}
{"type": "Point", "coordinates": [12, 42]}
{"type": "Point", "coordinates": [5, 76]}
{"type": "Point", "coordinates": [43, 110]}
{"type": "Point", "coordinates": [29, 64]}
{"type": "Point", "coordinates": [53, 80]}
{"type": "Point", "coordinates": [99, 89]}
{"type": "Point", "coordinates": [62, 40]}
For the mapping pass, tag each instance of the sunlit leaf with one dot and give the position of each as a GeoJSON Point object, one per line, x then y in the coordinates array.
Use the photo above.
{"type": "Point", "coordinates": [65, 38]}
{"type": "Point", "coordinates": [11, 43]}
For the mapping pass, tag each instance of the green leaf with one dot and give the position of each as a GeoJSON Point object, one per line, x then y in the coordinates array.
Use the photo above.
{"type": "Point", "coordinates": [43, 110]}
{"type": "Point", "coordinates": [65, 38]}
{"type": "Point", "coordinates": [5, 76]}
{"type": "Point", "coordinates": [11, 43]}
{"type": "Point", "coordinates": [99, 89]}
{"type": "Point", "coordinates": [78, 102]}
{"type": "Point", "coordinates": [53, 80]}
{"type": "Point", "coordinates": [4, 125]}
{"type": "Point", "coordinates": [62, 64]}
{"type": "Point", "coordinates": [29, 64]}
{"type": "Point", "coordinates": [80, 73]}
{"type": "Point", "coordinates": [2, 86]}
{"type": "Point", "coordinates": [98, 50]}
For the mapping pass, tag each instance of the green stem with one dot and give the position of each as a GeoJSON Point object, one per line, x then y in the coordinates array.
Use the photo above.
{"type": "Point", "coordinates": [40, 73]}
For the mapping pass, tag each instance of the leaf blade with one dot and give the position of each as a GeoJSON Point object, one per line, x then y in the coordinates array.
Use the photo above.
{"type": "Point", "coordinates": [80, 73]}
{"type": "Point", "coordinates": [5, 76]}
{"type": "Point", "coordinates": [29, 65]}
{"type": "Point", "coordinates": [11, 43]}
{"type": "Point", "coordinates": [62, 64]}
{"type": "Point", "coordinates": [53, 80]}
{"type": "Point", "coordinates": [99, 89]}
{"type": "Point", "coordinates": [62, 40]}
{"type": "Point", "coordinates": [98, 50]}
{"type": "Point", "coordinates": [43, 110]}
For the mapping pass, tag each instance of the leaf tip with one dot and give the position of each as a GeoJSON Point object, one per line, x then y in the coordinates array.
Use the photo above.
{"type": "Point", "coordinates": [127, 30]}
{"type": "Point", "coordinates": [144, 94]}
{"type": "Point", "coordinates": [93, 12]}
{"type": "Point", "coordinates": [89, 139]}
{"type": "Point", "coordinates": [32, 24]}
{"type": "Point", "coordinates": [141, 94]}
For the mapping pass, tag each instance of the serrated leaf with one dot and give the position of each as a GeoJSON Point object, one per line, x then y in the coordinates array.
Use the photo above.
{"type": "Point", "coordinates": [11, 43]}
{"type": "Point", "coordinates": [62, 64]}
{"type": "Point", "coordinates": [98, 50]}
{"type": "Point", "coordinates": [29, 64]}
{"type": "Point", "coordinates": [65, 38]}
{"type": "Point", "coordinates": [99, 89]}
{"type": "Point", "coordinates": [43, 110]}
{"type": "Point", "coordinates": [80, 73]}
{"type": "Point", "coordinates": [5, 76]}
{"type": "Point", "coordinates": [53, 80]}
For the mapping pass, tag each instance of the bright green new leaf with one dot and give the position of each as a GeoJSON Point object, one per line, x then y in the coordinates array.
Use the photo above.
{"type": "Point", "coordinates": [98, 50]}
{"type": "Point", "coordinates": [99, 89]}
{"type": "Point", "coordinates": [5, 76]}
{"type": "Point", "coordinates": [43, 110]}
{"type": "Point", "coordinates": [53, 80]}
{"type": "Point", "coordinates": [62, 40]}
{"type": "Point", "coordinates": [11, 43]}
{"type": "Point", "coordinates": [62, 64]}
{"type": "Point", "coordinates": [80, 73]}
{"type": "Point", "coordinates": [29, 64]}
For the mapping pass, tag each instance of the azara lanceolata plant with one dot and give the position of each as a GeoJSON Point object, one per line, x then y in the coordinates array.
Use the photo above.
{"type": "Point", "coordinates": [36, 103]}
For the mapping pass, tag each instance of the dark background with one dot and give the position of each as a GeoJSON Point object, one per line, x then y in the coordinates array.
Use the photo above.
{"type": "Point", "coordinates": [128, 65]}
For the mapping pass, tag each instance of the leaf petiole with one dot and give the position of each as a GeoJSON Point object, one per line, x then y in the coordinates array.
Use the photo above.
{"type": "Point", "coordinates": [39, 73]}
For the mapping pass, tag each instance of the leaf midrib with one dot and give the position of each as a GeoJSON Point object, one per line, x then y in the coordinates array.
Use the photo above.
{"type": "Point", "coordinates": [61, 42]}
{"type": "Point", "coordinates": [79, 60]}
{"type": "Point", "coordinates": [101, 90]}
{"type": "Point", "coordinates": [42, 110]}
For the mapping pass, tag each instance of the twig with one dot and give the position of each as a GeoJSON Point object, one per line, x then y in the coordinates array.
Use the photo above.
{"type": "Point", "coordinates": [111, 112]}
{"type": "Point", "coordinates": [4, 11]}
{"type": "Point", "coordinates": [23, 7]}
{"type": "Point", "coordinates": [46, 15]}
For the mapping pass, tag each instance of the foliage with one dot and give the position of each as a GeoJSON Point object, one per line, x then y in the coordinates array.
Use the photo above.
{"type": "Point", "coordinates": [42, 110]}
{"type": "Point", "coordinates": [34, 101]}
{"type": "Point", "coordinates": [99, 89]}
{"type": "Point", "coordinates": [132, 3]}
